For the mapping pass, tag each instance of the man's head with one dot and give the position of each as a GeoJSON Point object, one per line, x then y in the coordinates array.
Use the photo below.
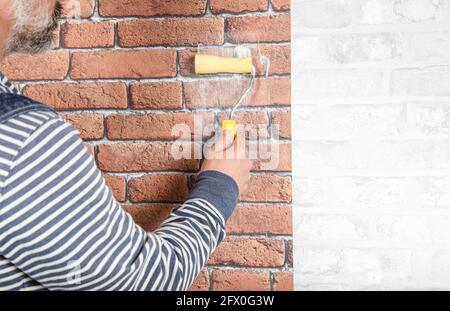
{"type": "Point", "coordinates": [30, 25]}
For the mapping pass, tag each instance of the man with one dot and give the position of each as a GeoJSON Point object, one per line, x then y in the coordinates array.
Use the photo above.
{"type": "Point", "coordinates": [60, 227]}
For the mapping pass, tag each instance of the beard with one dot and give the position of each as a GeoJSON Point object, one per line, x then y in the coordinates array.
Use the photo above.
{"type": "Point", "coordinates": [27, 40]}
{"type": "Point", "coordinates": [31, 42]}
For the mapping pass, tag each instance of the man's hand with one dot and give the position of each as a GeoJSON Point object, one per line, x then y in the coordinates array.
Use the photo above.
{"type": "Point", "coordinates": [228, 156]}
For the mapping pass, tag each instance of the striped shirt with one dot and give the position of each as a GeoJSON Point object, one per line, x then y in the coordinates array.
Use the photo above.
{"type": "Point", "coordinates": [6, 86]}
{"type": "Point", "coordinates": [61, 228]}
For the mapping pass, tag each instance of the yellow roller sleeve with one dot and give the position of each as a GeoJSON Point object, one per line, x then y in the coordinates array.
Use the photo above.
{"type": "Point", "coordinates": [209, 64]}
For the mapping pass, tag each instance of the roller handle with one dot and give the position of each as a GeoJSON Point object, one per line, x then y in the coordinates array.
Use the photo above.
{"type": "Point", "coordinates": [210, 64]}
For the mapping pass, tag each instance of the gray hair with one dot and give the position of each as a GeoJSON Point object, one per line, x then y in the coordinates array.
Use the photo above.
{"type": "Point", "coordinates": [32, 30]}
{"type": "Point", "coordinates": [31, 13]}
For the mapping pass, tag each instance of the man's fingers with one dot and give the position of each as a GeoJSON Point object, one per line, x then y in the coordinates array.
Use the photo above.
{"type": "Point", "coordinates": [218, 144]}
{"type": "Point", "coordinates": [224, 141]}
{"type": "Point", "coordinates": [237, 150]}
{"type": "Point", "coordinates": [241, 147]}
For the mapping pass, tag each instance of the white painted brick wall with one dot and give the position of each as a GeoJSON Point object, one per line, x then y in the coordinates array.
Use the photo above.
{"type": "Point", "coordinates": [371, 122]}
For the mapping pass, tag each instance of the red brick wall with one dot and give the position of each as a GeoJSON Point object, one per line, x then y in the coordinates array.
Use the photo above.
{"type": "Point", "coordinates": [123, 76]}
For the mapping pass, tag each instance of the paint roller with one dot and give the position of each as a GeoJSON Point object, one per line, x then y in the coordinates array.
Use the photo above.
{"type": "Point", "coordinates": [241, 63]}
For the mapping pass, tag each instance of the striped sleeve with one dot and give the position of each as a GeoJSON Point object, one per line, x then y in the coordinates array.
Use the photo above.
{"type": "Point", "coordinates": [61, 226]}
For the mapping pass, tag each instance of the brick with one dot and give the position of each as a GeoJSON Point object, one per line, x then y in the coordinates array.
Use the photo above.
{"type": "Point", "coordinates": [403, 12]}
{"type": "Point", "coordinates": [282, 119]}
{"type": "Point", "coordinates": [174, 32]}
{"type": "Point", "coordinates": [152, 8]}
{"type": "Point", "coordinates": [149, 216]}
{"type": "Point", "coordinates": [261, 28]}
{"type": "Point", "coordinates": [425, 191]}
{"type": "Point", "coordinates": [320, 261]}
{"type": "Point", "coordinates": [341, 83]}
{"type": "Point", "coordinates": [202, 282]}
{"type": "Point", "coordinates": [417, 10]}
{"type": "Point", "coordinates": [428, 118]}
{"type": "Point", "coordinates": [237, 251]}
{"type": "Point", "coordinates": [405, 229]}
{"type": "Point", "coordinates": [438, 226]}
{"type": "Point", "coordinates": [281, 5]}
{"type": "Point", "coordinates": [56, 38]}
{"type": "Point", "coordinates": [433, 80]}
{"type": "Point", "coordinates": [85, 9]}
{"type": "Point", "coordinates": [351, 49]}
{"type": "Point", "coordinates": [87, 34]}
{"type": "Point", "coordinates": [155, 63]}
{"type": "Point", "coordinates": [152, 126]}
{"type": "Point", "coordinates": [325, 154]}
{"type": "Point", "coordinates": [290, 253]}
{"type": "Point", "coordinates": [240, 280]}
{"type": "Point", "coordinates": [53, 65]}
{"type": "Point", "coordinates": [72, 96]}
{"type": "Point", "coordinates": [381, 156]}
{"type": "Point", "coordinates": [141, 157]}
{"type": "Point", "coordinates": [395, 265]}
{"type": "Point", "coordinates": [117, 184]}
{"type": "Point", "coordinates": [357, 191]}
{"type": "Point", "coordinates": [158, 188]}
{"type": "Point", "coordinates": [268, 188]}
{"type": "Point", "coordinates": [279, 55]}
{"type": "Point", "coordinates": [252, 117]}
{"type": "Point", "coordinates": [325, 14]}
{"type": "Point", "coordinates": [261, 219]}
{"type": "Point", "coordinates": [224, 6]}
{"type": "Point", "coordinates": [352, 121]}
{"type": "Point", "coordinates": [89, 125]}
{"type": "Point", "coordinates": [225, 93]}
{"type": "Point", "coordinates": [425, 46]}
{"type": "Point", "coordinates": [273, 156]}
{"type": "Point", "coordinates": [283, 281]}
{"type": "Point", "coordinates": [254, 123]}
{"type": "Point", "coordinates": [439, 271]}
{"type": "Point", "coordinates": [335, 227]}
{"type": "Point", "coordinates": [161, 95]}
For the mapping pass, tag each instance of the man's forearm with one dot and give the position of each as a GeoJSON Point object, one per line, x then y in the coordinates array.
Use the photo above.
{"type": "Point", "coordinates": [195, 229]}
